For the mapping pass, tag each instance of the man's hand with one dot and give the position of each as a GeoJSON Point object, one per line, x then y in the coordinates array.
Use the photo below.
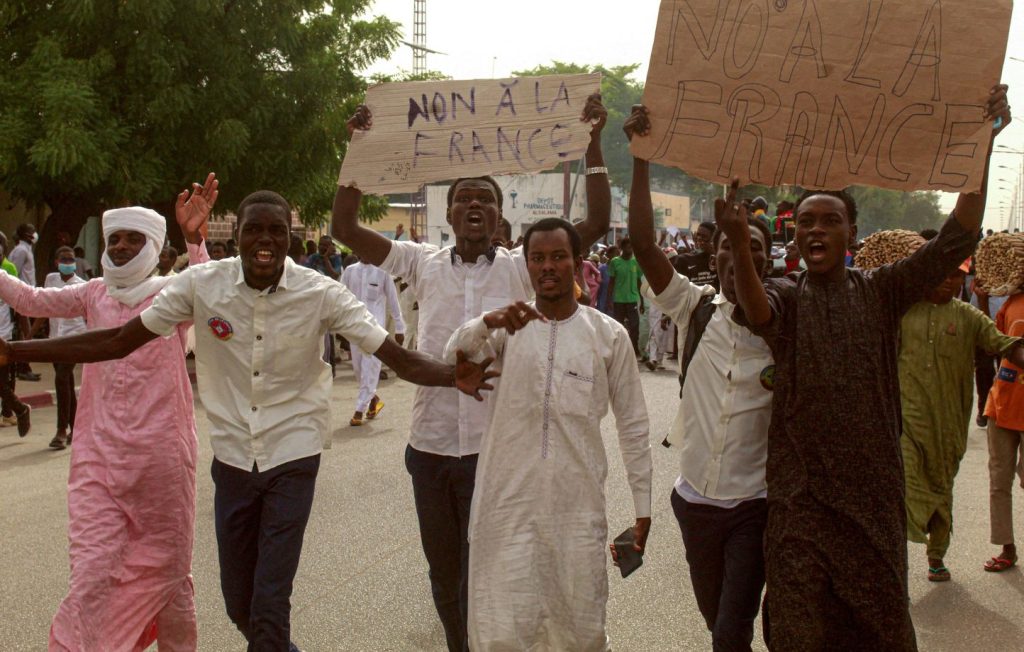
{"type": "Point", "coordinates": [362, 120]}
{"type": "Point", "coordinates": [512, 318]}
{"type": "Point", "coordinates": [640, 532]}
{"type": "Point", "coordinates": [595, 113]}
{"type": "Point", "coordinates": [731, 217]}
{"type": "Point", "coordinates": [399, 230]}
{"type": "Point", "coordinates": [998, 106]}
{"type": "Point", "coordinates": [638, 123]}
{"type": "Point", "coordinates": [471, 377]}
{"type": "Point", "coordinates": [192, 210]}
{"type": "Point", "coordinates": [640, 306]}
{"type": "Point", "coordinates": [400, 338]}
{"type": "Point", "coordinates": [415, 237]}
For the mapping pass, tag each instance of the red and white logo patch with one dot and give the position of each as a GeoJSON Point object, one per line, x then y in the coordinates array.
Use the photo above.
{"type": "Point", "coordinates": [221, 328]}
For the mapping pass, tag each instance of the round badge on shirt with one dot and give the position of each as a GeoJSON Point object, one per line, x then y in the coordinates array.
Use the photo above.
{"type": "Point", "coordinates": [221, 328]}
{"type": "Point", "coordinates": [767, 377]}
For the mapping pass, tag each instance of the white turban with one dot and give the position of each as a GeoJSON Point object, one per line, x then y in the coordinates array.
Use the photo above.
{"type": "Point", "coordinates": [131, 283]}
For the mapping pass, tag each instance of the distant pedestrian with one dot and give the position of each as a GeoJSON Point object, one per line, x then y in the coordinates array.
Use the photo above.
{"type": "Point", "coordinates": [23, 258]}
{"type": "Point", "coordinates": [64, 373]}
{"type": "Point", "coordinates": [83, 268]}
{"type": "Point", "coordinates": [374, 287]}
{"type": "Point", "coordinates": [624, 277]}
{"type": "Point", "coordinates": [12, 411]}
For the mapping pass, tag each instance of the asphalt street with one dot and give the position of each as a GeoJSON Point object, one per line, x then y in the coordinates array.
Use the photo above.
{"type": "Point", "coordinates": [362, 584]}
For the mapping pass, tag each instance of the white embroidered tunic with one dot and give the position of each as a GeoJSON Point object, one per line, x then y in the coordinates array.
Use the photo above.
{"type": "Point", "coordinates": [538, 568]}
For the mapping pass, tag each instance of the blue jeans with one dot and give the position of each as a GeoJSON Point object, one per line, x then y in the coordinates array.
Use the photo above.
{"type": "Point", "coordinates": [443, 490]}
{"type": "Point", "coordinates": [260, 520]}
{"type": "Point", "coordinates": [725, 552]}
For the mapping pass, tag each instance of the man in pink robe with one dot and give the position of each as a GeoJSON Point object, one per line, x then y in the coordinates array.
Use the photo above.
{"type": "Point", "coordinates": [132, 481]}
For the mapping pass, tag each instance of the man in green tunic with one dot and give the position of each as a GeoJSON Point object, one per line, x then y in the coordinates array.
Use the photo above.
{"type": "Point", "coordinates": [936, 368]}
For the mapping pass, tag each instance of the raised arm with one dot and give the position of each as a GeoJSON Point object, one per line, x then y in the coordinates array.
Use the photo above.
{"type": "Point", "coordinates": [731, 217]}
{"type": "Point", "coordinates": [655, 264]}
{"type": "Point", "coordinates": [599, 190]}
{"type": "Point", "coordinates": [370, 246]}
{"type": "Point", "coordinates": [468, 377]}
{"type": "Point", "coordinates": [91, 346]}
{"type": "Point", "coordinates": [970, 207]}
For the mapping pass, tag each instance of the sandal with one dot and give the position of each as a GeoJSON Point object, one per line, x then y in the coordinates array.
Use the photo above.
{"type": "Point", "coordinates": [940, 574]}
{"type": "Point", "coordinates": [999, 564]}
{"type": "Point", "coordinates": [375, 409]}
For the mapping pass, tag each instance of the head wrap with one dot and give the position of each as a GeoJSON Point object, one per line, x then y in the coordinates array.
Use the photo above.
{"type": "Point", "coordinates": [134, 282]}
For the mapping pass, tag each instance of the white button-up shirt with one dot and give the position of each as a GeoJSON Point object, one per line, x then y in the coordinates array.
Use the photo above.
{"type": "Point", "coordinates": [451, 292]}
{"type": "Point", "coordinates": [722, 422]}
{"type": "Point", "coordinates": [374, 287]}
{"type": "Point", "coordinates": [259, 353]}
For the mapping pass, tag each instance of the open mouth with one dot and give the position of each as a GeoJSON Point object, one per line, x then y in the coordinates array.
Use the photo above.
{"type": "Point", "coordinates": [475, 218]}
{"type": "Point", "coordinates": [816, 251]}
{"type": "Point", "coordinates": [263, 256]}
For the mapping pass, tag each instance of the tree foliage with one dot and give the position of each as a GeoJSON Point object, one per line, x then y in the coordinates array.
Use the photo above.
{"type": "Point", "coordinates": [114, 102]}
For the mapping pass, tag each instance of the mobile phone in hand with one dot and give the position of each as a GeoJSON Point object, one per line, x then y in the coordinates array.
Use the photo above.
{"type": "Point", "coordinates": [629, 558]}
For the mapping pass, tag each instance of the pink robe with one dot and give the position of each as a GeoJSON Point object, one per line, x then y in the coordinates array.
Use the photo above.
{"type": "Point", "coordinates": [131, 485]}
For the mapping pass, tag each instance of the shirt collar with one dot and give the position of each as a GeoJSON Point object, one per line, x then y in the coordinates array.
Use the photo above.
{"type": "Point", "coordinates": [491, 253]}
{"type": "Point", "coordinates": [282, 283]}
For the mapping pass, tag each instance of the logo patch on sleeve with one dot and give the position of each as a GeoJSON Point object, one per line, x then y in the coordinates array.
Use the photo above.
{"type": "Point", "coordinates": [221, 328]}
{"type": "Point", "coordinates": [1007, 375]}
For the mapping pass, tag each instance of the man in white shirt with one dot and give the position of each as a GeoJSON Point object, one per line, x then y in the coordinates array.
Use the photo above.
{"type": "Point", "coordinates": [721, 426]}
{"type": "Point", "coordinates": [374, 287]}
{"type": "Point", "coordinates": [265, 389]}
{"type": "Point", "coordinates": [538, 576]}
{"type": "Point", "coordinates": [453, 285]}
{"type": "Point", "coordinates": [64, 373]}
{"type": "Point", "coordinates": [23, 258]}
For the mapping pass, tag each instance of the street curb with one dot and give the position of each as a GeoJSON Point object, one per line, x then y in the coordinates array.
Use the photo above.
{"type": "Point", "coordinates": [48, 398]}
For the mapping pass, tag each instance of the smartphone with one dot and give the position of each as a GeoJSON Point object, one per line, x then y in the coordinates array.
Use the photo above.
{"type": "Point", "coordinates": [629, 558]}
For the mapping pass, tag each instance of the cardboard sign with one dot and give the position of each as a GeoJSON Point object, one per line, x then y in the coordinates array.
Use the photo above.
{"type": "Point", "coordinates": [438, 130]}
{"type": "Point", "coordinates": [825, 93]}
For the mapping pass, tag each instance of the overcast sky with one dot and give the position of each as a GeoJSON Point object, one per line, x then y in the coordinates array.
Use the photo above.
{"type": "Point", "coordinates": [491, 39]}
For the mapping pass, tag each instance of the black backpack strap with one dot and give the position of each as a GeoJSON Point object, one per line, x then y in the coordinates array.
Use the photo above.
{"type": "Point", "coordinates": [699, 319]}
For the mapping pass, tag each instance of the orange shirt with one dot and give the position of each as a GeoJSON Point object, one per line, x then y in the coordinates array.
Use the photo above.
{"type": "Point", "coordinates": [1006, 400]}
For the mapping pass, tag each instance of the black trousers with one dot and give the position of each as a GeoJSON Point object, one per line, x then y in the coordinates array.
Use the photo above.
{"type": "Point", "coordinates": [628, 315]}
{"type": "Point", "coordinates": [260, 520]}
{"type": "Point", "coordinates": [9, 403]}
{"type": "Point", "coordinates": [724, 549]}
{"type": "Point", "coordinates": [985, 367]}
{"type": "Point", "coordinates": [67, 401]}
{"type": "Point", "coordinates": [442, 487]}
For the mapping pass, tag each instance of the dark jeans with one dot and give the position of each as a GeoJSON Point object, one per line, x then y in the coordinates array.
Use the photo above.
{"type": "Point", "coordinates": [9, 403]}
{"type": "Point", "coordinates": [67, 402]}
{"type": "Point", "coordinates": [985, 367]}
{"type": "Point", "coordinates": [628, 315]}
{"type": "Point", "coordinates": [724, 549]}
{"type": "Point", "coordinates": [443, 489]}
{"type": "Point", "coordinates": [260, 519]}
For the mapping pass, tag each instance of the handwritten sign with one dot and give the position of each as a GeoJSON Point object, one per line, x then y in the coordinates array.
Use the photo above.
{"type": "Point", "coordinates": [438, 130]}
{"type": "Point", "coordinates": [825, 93]}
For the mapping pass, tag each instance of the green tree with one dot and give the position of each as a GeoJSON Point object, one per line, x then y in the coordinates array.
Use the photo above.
{"type": "Point", "coordinates": [115, 102]}
{"type": "Point", "coordinates": [879, 209]}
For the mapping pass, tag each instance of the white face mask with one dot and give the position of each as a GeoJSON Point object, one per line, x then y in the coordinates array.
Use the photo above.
{"type": "Point", "coordinates": [35, 238]}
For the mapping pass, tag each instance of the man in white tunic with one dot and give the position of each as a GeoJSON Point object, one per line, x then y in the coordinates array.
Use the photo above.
{"type": "Point", "coordinates": [537, 570]}
{"type": "Point", "coordinates": [374, 287]}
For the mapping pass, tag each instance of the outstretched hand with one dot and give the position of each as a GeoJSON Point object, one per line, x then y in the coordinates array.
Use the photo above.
{"type": "Point", "coordinates": [512, 318]}
{"type": "Point", "coordinates": [361, 120]}
{"type": "Point", "coordinates": [731, 216]}
{"type": "Point", "coordinates": [192, 208]}
{"type": "Point", "coordinates": [638, 123]}
{"type": "Point", "coordinates": [998, 106]}
{"type": "Point", "coordinates": [595, 113]}
{"type": "Point", "coordinates": [471, 377]}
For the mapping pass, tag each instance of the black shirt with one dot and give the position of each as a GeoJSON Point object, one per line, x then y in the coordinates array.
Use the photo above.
{"type": "Point", "coordinates": [697, 268]}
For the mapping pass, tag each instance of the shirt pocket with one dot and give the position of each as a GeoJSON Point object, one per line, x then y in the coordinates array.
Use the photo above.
{"type": "Point", "coordinates": [576, 387]}
{"type": "Point", "coordinates": [295, 356]}
{"type": "Point", "coordinates": [373, 292]}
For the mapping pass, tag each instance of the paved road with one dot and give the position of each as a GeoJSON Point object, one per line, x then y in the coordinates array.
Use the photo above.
{"type": "Point", "coordinates": [362, 584]}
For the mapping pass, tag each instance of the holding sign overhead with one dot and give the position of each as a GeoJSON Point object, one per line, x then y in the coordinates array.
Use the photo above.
{"type": "Point", "coordinates": [437, 130]}
{"type": "Point", "coordinates": [825, 93]}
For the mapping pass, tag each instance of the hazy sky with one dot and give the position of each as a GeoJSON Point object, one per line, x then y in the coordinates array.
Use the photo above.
{"type": "Point", "coordinates": [491, 39]}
